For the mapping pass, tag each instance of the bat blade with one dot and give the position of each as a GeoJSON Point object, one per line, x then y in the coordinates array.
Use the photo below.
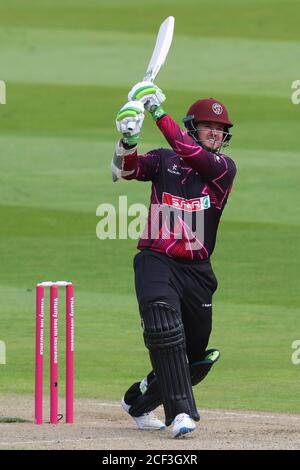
{"type": "Point", "coordinates": [160, 52]}
{"type": "Point", "coordinates": [161, 49]}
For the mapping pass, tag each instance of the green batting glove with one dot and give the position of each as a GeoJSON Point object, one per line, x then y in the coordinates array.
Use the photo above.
{"type": "Point", "coordinates": [129, 122]}
{"type": "Point", "coordinates": [148, 94]}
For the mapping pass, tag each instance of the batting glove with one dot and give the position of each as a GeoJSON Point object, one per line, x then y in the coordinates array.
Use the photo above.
{"type": "Point", "coordinates": [148, 94]}
{"type": "Point", "coordinates": [129, 121]}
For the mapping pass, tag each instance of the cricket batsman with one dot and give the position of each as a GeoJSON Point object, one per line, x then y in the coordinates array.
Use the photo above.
{"type": "Point", "coordinates": [174, 280]}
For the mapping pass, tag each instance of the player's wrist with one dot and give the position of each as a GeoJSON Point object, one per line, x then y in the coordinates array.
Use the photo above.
{"type": "Point", "coordinates": [130, 141]}
{"type": "Point", "coordinates": [157, 112]}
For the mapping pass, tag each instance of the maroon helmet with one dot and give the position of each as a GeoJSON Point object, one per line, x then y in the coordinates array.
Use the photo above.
{"type": "Point", "coordinates": [207, 110]}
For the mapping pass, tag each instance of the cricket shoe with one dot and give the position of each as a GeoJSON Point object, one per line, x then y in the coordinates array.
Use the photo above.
{"type": "Point", "coordinates": [146, 421]}
{"type": "Point", "coordinates": [182, 425]}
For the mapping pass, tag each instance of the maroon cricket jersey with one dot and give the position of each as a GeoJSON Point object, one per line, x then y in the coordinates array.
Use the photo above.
{"type": "Point", "coordinates": [190, 187]}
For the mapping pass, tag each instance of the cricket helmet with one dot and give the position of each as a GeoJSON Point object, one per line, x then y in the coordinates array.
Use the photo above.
{"type": "Point", "coordinates": [207, 110]}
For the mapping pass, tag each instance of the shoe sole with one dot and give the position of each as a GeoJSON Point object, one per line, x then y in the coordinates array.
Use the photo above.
{"type": "Point", "coordinates": [151, 428]}
{"type": "Point", "coordinates": [183, 431]}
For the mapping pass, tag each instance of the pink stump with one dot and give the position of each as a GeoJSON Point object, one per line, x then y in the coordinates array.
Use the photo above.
{"type": "Point", "coordinates": [69, 353]}
{"type": "Point", "coordinates": [53, 354]}
{"type": "Point", "coordinates": [39, 351]}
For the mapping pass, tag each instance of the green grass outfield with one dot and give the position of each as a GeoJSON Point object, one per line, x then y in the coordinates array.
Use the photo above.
{"type": "Point", "coordinates": [68, 66]}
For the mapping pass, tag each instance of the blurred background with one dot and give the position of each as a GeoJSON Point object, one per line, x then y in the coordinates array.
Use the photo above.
{"type": "Point", "coordinates": [68, 66]}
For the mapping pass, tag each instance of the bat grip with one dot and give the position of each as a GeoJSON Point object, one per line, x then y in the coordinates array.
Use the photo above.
{"type": "Point", "coordinates": [130, 126]}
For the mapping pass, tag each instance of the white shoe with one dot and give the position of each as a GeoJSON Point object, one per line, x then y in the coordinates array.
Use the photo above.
{"type": "Point", "coordinates": [146, 421]}
{"type": "Point", "coordinates": [183, 424]}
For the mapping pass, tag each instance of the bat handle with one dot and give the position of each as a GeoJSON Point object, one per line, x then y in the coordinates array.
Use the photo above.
{"type": "Point", "coordinates": [130, 126]}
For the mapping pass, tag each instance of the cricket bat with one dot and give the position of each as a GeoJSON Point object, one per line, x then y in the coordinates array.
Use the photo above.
{"type": "Point", "coordinates": [159, 54]}
{"type": "Point", "coordinates": [161, 49]}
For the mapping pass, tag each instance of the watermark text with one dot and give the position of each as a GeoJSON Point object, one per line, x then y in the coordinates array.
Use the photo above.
{"type": "Point", "coordinates": [174, 219]}
{"type": "Point", "coordinates": [2, 352]}
{"type": "Point", "coordinates": [2, 92]}
{"type": "Point", "coordinates": [295, 97]}
{"type": "Point", "coordinates": [295, 358]}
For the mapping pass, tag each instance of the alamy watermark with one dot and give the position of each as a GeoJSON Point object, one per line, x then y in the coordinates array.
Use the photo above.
{"type": "Point", "coordinates": [295, 97]}
{"type": "Point", "coordinates": [175, 218]}
{"type": "Point", "coordinates": [2, 352]}
{"type": "Point", "coordinates": [295, 358]}
{"type": "Point", "coordinates": [2, 92]}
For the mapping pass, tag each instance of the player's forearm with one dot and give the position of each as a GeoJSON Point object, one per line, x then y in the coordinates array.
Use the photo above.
{"type": "Point", "coordinates": [125, 161]}
{"type": "Point", "coordinates": [130, 161]}
{"type": "Point", "coordinates": [178, 139]}
{"type": "Point", "coordinates": [128, 164]}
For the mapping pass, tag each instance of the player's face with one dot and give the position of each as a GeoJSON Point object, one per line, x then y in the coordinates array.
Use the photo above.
{"type": "Point", "coordinates": [210, 134]}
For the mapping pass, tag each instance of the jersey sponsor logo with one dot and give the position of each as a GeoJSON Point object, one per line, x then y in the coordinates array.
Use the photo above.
{"type": "Point", "coordinates": [189, 205]}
